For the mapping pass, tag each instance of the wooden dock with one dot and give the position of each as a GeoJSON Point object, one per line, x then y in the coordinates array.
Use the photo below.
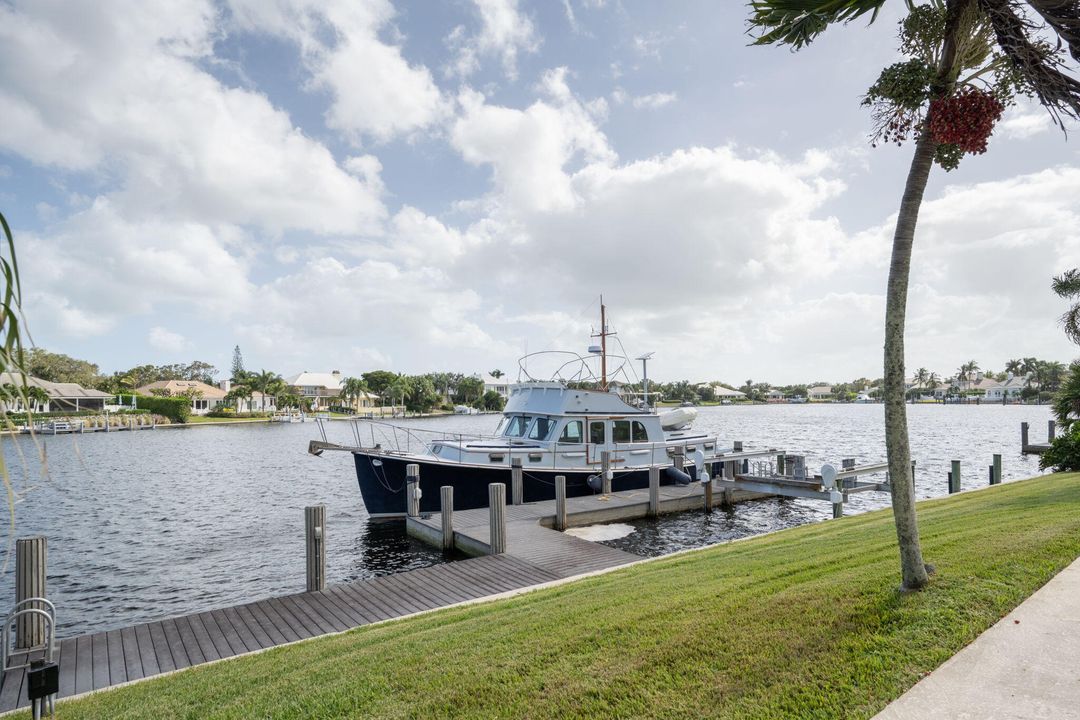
{"type": "Point", "coordinates": [1030, 448]}
{"type": "Point", "coordinates": [105, 659]}
{"type": "Point", "coordinates": [530, 536]}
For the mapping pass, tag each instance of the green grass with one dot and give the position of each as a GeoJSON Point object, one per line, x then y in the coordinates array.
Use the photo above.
{"type": "Point", "coordinates": [804, 623]}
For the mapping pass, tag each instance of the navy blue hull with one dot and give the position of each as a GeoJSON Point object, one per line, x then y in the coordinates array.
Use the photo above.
{"type": "Point", "coordinates": [382, 483]}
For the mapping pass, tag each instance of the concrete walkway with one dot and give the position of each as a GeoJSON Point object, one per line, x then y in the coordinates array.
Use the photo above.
{"type": "Point", "coordinates": [1025, 666]}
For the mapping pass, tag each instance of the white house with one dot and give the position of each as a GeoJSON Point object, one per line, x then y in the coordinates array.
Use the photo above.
{"type": "Point", "coordinates": [820, 392]}
{"type": "Point", "coordinates": [500, 385]}
{"type": "Point", "coordinates": [722, 393]}
{"type": "Point", "coordinates": [322, 389]}
{"type": "Point", "coordinates": [204, 398]}
{"type": "Point", "coordinates": [1008, 390]}
{"type": "Point", "coordinates": [62, 396]}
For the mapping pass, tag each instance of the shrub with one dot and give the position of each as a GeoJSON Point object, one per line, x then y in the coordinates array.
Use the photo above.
{"type": "Point", "coordinates": [1064, 452]}
{"type": "Point", "coordinates": [177, 409]}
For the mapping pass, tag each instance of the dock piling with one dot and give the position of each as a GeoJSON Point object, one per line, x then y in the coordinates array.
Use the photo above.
{"type": "Point", "coordinates": [995, 470]}
{"type": "Point", "coordinates": [31, 555]}
{"type": "Point", "coordinates": [1024, 437]}
{"type": "Point", "coordinates": [1051, 427]}
{"type": "Point", "coordinates": [560, 501]}
{"type": "Point", "coordinates": [605, 471]}
{"type": "Point", "coordinates": [912, 474]}
{"type": "Point", "coordinates": [412, 489]}
{"type": "Point", "coordinates": [446, 507]}
{"type": "Point", "coordinates": [654, 491]}
{"type": "Point", "coordinates": [515, 480]}
{"type": "Point", "coordinates": [954, 477]}
{"type": "Point", "coordinates": [315, 536]}
{"type": "Point", "coordinates": [497, 517]}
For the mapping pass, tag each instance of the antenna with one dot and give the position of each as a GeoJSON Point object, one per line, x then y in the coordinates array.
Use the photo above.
{"type": "Point", "coordinates": [645, 377]}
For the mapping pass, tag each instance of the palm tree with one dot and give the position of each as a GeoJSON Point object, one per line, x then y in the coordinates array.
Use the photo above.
{"type": "Point", "coordinates": [38, 396]}
{"type": "Point", "coordinates": [265, 383]}
{"type": "Point", "coordinates": [496, 374]}
{"type": "Point", "coordinates": [998, 46]}
{"type": "Point", "coordinates": [1067, 285]}
{"type": "Point", "coordinates": [352, 389]}
{"type": "Point", "coordinates": [920, 377]}
{"type": "Point", "coordinates": [1014, 366]}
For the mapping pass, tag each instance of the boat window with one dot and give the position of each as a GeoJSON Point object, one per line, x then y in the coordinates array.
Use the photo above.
{"type": "Point", "coordinates": [620, 431]}
{"type": "Point", "coordinates": [640, 433]}
{"type": "Point", "coordinates": [596, 432]}
{"type": "Point", "coordinates": [541, 428]}
{"type": "Point", "coordinates": [517, 426]}
{"type": "Point", "coordinates": [572, 433]}
{"type": "Point", "coordinates": [502, 425]}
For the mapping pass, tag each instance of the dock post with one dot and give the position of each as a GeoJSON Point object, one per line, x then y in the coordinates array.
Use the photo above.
{"type": "Point", "coordinates": [654, 491]}
{"type": "Point", "coordinates": [515, 480]}
{"type": "Point", "coordinates": [912, 474]}
{"type": "Point", "coordinates": [708, 495]}
{"type": "Point", "coordinates": [678, 459]}
{"type": "Point", "coordinates": [315, 535]}
{"type": "Point", "coordinates": [605, 471]}
{"type": "Point", "coordinates": [446, 495]}
{"type": "Point", "coordinates": [954, 477]}
{"type": "Point", "coordinates": [837, 510]}
{"type": "Point", "coordinates": [412, 489]}
{"type": "Point", "coordinates": [995, 470]}
{"type": "Point", "coordinates": [560, 502]}
{"type": "Point", "coordinates": [497, 517]}
{"type": "Point", "coordinates": [31, 555]}
{"type": "Point", "coordinates": [1051, 426]}
{"type": "Point", "coordinates": [1023, 437]}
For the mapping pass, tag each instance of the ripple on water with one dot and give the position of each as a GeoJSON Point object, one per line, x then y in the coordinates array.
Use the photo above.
{"type": "Point", "coordinates": [149, 524]}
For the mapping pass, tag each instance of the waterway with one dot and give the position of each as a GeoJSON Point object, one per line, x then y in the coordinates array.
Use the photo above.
{"type": "Point", "coordinates": [156, 523]}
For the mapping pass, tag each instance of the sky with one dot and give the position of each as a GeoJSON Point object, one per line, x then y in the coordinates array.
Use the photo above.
{"type": "Point", "coordinates": [421, 186]}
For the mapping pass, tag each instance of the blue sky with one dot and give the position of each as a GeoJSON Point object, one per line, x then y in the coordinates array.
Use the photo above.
{"type": "Point", "coordinates": [422, 186]}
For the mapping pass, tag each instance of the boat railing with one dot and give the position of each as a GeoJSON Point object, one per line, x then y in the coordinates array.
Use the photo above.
{"type": "Point", "coordinates": [403, 438]}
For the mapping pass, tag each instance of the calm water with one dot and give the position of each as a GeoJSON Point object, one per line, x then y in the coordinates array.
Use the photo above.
{"type": "Point", "coordinates": [150, 524]}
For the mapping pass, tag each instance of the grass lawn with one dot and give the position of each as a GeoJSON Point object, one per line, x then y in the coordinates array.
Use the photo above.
{"type": "Point", "coordinates": [804, 623]}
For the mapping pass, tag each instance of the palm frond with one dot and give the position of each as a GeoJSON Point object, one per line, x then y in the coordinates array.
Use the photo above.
{"type": "Point", "coordinates": [1041, 70]}
{"type": "Point", "coordinates": [1067, 284]}
{"type": "Point", "coordinates": [1064, 17]}
{"type": "Point", "coordinates": [798, 22]}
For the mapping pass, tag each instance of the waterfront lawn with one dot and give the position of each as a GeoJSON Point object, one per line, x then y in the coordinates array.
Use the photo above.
{"type": "Point", "coordinates": [801, 623]}
{"type": "Point", "coordinates": [204, 420]}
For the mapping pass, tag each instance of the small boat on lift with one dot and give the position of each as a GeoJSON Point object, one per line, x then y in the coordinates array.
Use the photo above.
{"type": "Point", "coordinates": [556, 426]}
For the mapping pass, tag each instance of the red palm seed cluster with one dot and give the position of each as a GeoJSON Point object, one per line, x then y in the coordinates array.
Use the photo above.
{"type": "Point", "coordinates": [965, 119]}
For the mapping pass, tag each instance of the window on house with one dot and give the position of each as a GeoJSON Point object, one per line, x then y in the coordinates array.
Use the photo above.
{"type": "Point", "coordinates": [572, 433]}
{"type": "Point", "coordinates": [596, 432]}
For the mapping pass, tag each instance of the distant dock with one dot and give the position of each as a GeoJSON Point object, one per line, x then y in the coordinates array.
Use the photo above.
{"type": "Point", "coordinates": [1030, 448]}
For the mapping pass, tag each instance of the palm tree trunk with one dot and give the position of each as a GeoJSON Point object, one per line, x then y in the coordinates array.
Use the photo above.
{"type": "Point", "coordinates": [913, 569]}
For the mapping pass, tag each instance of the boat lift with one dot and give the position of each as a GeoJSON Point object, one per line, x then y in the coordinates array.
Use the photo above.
{"type": "Point", "coordinates": [788, 477]}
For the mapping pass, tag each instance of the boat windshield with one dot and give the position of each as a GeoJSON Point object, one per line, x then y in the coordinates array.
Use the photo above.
{"type": "Point", "coordinates": [517, 426]}
{"type": "Point", "coordinates": [541, 429]}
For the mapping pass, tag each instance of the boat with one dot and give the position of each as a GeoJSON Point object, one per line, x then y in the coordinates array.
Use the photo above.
{"type": "Point", "coordinates": [561, 425]}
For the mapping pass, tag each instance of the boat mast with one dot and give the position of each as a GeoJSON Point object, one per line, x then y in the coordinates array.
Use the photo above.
{"type": "Point", "coordinates": [603, 345]}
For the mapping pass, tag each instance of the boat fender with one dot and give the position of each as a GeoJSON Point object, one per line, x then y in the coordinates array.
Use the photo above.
{"type": "Point", "coordinates": [676, 477]}
{"type": "Point", "coordinates": [595, 483]}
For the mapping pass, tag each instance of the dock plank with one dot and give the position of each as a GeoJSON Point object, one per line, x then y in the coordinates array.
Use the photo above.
{"type": "Point", "coordinates": [246, 626]}
{"type": "Point", "coordinates": [147, 651]}
{"type": "Point", "coordinates": [180, 656]}
{"type": "Point", "coordinates": [162, 652]}
{"type": "Point", "coordinates": [67, 668]}
{"type": "Point", "coordinates": [132, 657]}
{"type": "Point", "coordinates": [115, 652]}
{"type": "Point", "coordinates": [100, 652]}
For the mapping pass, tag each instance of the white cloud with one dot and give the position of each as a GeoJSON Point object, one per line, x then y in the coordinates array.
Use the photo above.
{"type": "Point", "coordinates": [530, 149]}
{"type": "Point", "coordinates": [654, 100]}
{"type": "Point", "coordinates": [505, 32]}
{"type": "Point", "coordinates": [129, 103]}
{"type": "Point", "coordinates": [165, 340]}
{"type": "Point", "coordinates": [375, 91]}
{"type": "Point", "coordinates": [1023, 123]}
